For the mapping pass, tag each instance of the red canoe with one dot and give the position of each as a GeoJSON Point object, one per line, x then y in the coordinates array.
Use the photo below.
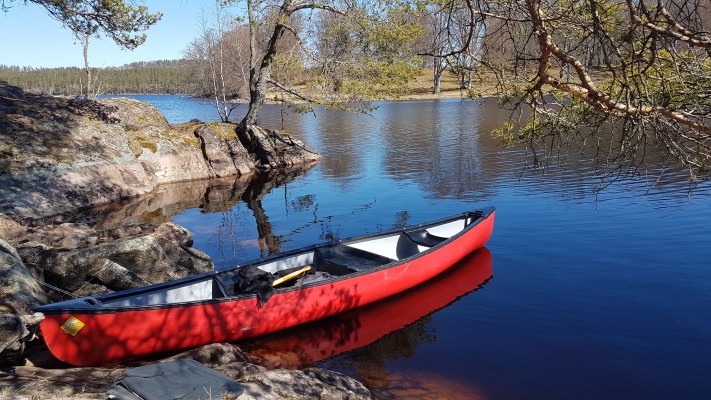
{"type": "Point", "coordinates": [216, 306]}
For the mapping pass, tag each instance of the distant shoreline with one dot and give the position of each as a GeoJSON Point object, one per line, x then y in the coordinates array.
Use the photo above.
{"type": "Point", "coordinates": [444, 94]}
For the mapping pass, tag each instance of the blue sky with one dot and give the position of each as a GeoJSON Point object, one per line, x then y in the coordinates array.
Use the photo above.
{"type": "Point", "coordinates": [31, 38]}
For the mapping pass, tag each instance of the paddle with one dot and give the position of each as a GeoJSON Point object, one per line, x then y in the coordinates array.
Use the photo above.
{"type": "Point", "coordinates": [295, 274]}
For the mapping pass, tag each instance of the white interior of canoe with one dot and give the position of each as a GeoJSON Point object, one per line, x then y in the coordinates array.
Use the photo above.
{"type": "Point", "coordinates": [346, 257]}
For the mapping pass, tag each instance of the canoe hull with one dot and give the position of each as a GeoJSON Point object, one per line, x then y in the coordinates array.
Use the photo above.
{"type": "Point", "coordinates": [116, 336]}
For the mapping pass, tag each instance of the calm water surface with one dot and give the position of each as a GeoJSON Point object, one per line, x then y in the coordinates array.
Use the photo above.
{"type": "Point", "coordinates": [577, 295]}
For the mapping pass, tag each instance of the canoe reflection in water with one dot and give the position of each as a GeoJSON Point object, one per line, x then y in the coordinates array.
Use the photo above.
{"type": "Point", "coordinates": [303, 346]}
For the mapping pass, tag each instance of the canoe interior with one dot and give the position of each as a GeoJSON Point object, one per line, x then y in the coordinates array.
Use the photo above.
{"type": "Point", "coordinates": [336, 259]}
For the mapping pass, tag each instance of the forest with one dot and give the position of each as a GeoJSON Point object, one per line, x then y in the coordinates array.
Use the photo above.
{"type": "Point", "coordinates": [152, 77]}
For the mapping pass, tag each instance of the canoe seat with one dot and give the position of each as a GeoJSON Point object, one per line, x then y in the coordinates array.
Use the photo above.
{"type": "Point", "coordinates": [340, 259]}
{"type": "Point", "coordinates": [423, 238]}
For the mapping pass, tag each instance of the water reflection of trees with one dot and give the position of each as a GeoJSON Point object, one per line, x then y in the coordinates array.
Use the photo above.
{"type": "Point", "coordinates": [436, 144]}
{"type": "Point", "coordinates": [222, 195]}
{"type": "Point", "coordinates": [343, 140]}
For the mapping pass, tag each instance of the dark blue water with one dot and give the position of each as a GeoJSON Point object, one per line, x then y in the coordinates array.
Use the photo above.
{"type": "Point", "coordinates": [594, 295]}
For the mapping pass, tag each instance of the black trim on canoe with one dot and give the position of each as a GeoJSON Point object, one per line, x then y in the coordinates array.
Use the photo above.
{"type": "Point", "coordinates": [334, 250]}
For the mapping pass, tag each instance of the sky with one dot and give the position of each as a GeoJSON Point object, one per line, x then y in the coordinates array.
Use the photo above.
{"type": "Point", "coordinates": [29, 37]}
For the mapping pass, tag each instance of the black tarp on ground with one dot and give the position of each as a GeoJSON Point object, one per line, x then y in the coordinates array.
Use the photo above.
{"type": "Point", "coordinates": [179, 379]}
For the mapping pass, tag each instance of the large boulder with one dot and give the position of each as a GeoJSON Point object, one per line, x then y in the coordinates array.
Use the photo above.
{"type": "Point", "coordinates": [222, 150]}
{"type": "Point", "coordinates": [63, 154]}
{"type": "Point", "coordinates": [118, 265]}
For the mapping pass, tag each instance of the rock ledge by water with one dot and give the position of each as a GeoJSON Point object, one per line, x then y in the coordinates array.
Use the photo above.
{"type": "Point", "coordinates": [60, 154]}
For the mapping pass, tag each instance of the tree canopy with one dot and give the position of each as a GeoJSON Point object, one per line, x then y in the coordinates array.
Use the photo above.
{"type": "Point", "coordinates": [118, 19]}
{"type": "Point", "coordinates": [115, 18]}
{"type": "Point", "coordinates": [585, 67]}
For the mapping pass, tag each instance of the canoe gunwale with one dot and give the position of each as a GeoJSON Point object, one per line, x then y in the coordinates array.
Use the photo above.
{"type": "Point", "coordinates": [83, 305]}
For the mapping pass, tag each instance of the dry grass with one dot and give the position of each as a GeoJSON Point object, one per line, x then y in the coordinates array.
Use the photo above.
{"type": "Point", "coordinates": [421, 88]}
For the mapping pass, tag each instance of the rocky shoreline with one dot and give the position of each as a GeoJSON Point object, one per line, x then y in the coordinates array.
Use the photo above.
{"type": "Point", "coordinates": [65, 382]}
{"type": "Point", "coordinates": [86, 193]}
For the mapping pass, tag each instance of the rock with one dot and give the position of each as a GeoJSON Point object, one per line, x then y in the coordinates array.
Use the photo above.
{"type": "Point", "coordinates": [315, 384]}
{"type": "Point", "coordinates": [351, 388]}
{"type": "Point", "coordinates": [116, 277]}
{"type": "Point", "coordinates": [63, 236]}
{"type": "Point", "coordinates": [201, 261]}
{"type": "Point", "coordinates": [11, 92]}
{"type": "Point", "coordinates": [222, 151]}
{"type": "Point", "coordinates": [9, 229]}
{"type": "Point", "coordinates": [61, 154]}
{"type": "Point", "coordinates": [277, 149]}
{"type": "Point", "coordinates": [62, 383]}
{"type": "Point", "coordinates": [124, 231]}
{"type": "Point", "coordinates": [175, 233]}
{"type": "Point", "coordinates": [15, 331]}
{"type": "Point", "coordinates": [228, 359]}
{"type": "Point", "coordinates": [72, 270]}
{"type": "Point", "coordinates": [135, 116]}
{"type": "Point", "coordinates": [261, 383]}
{"type": "Point", "coordinates": [19, 291]}
{"type": "Point", "coordinates": [225, 358]}
{"type": "Point", "coordinates": [19, 295]}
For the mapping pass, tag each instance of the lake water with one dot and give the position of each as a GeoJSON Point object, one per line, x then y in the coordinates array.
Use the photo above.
{"type": "Point", "coordinates": [579, 294]}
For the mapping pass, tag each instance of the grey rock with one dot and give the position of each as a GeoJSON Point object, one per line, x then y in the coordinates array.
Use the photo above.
{"type": "Point", "coordinates": [15, 331]}
{"type": "Point", "coordinates": [175, 233]}
{"type": "Point", "coordinates": [201, 261]}
{"type": "Point", "coordinates": [259, 383]}
{"type": "Point", "coordinates": [278, 149]}
{"type": "Point", "coordinates": [9, 228]}
{"type": "Point", "coordinates": [222, 151]}
{"type": "Point", "coordinates": [71, 270]}
{"type": "Point", "coordinates": [20, 293]}
{"type": "Point", "coordinates": [213, 355]}
{"type": "Point", "coordinates": [115, 277]}
{"type": "Point", "coordinates": [288, 384]}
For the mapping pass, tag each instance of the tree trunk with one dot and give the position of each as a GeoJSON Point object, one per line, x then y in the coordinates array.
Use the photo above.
{"type": "Point", "coordinates": [271, 149]}
{"type": "Point", "coordinates": [259, 75]}
{"type": "Point", "coordinates": [438, 68]}
{"type": "Point", "coordinates": [85, 45]}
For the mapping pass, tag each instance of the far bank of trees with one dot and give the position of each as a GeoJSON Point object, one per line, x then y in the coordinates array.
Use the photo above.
{"type": "Point", "coordinates": [154, 77]}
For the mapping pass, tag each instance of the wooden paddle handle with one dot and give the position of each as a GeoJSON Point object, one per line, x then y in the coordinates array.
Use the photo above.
{"type": "Point", "coordinates": [292, 275]}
